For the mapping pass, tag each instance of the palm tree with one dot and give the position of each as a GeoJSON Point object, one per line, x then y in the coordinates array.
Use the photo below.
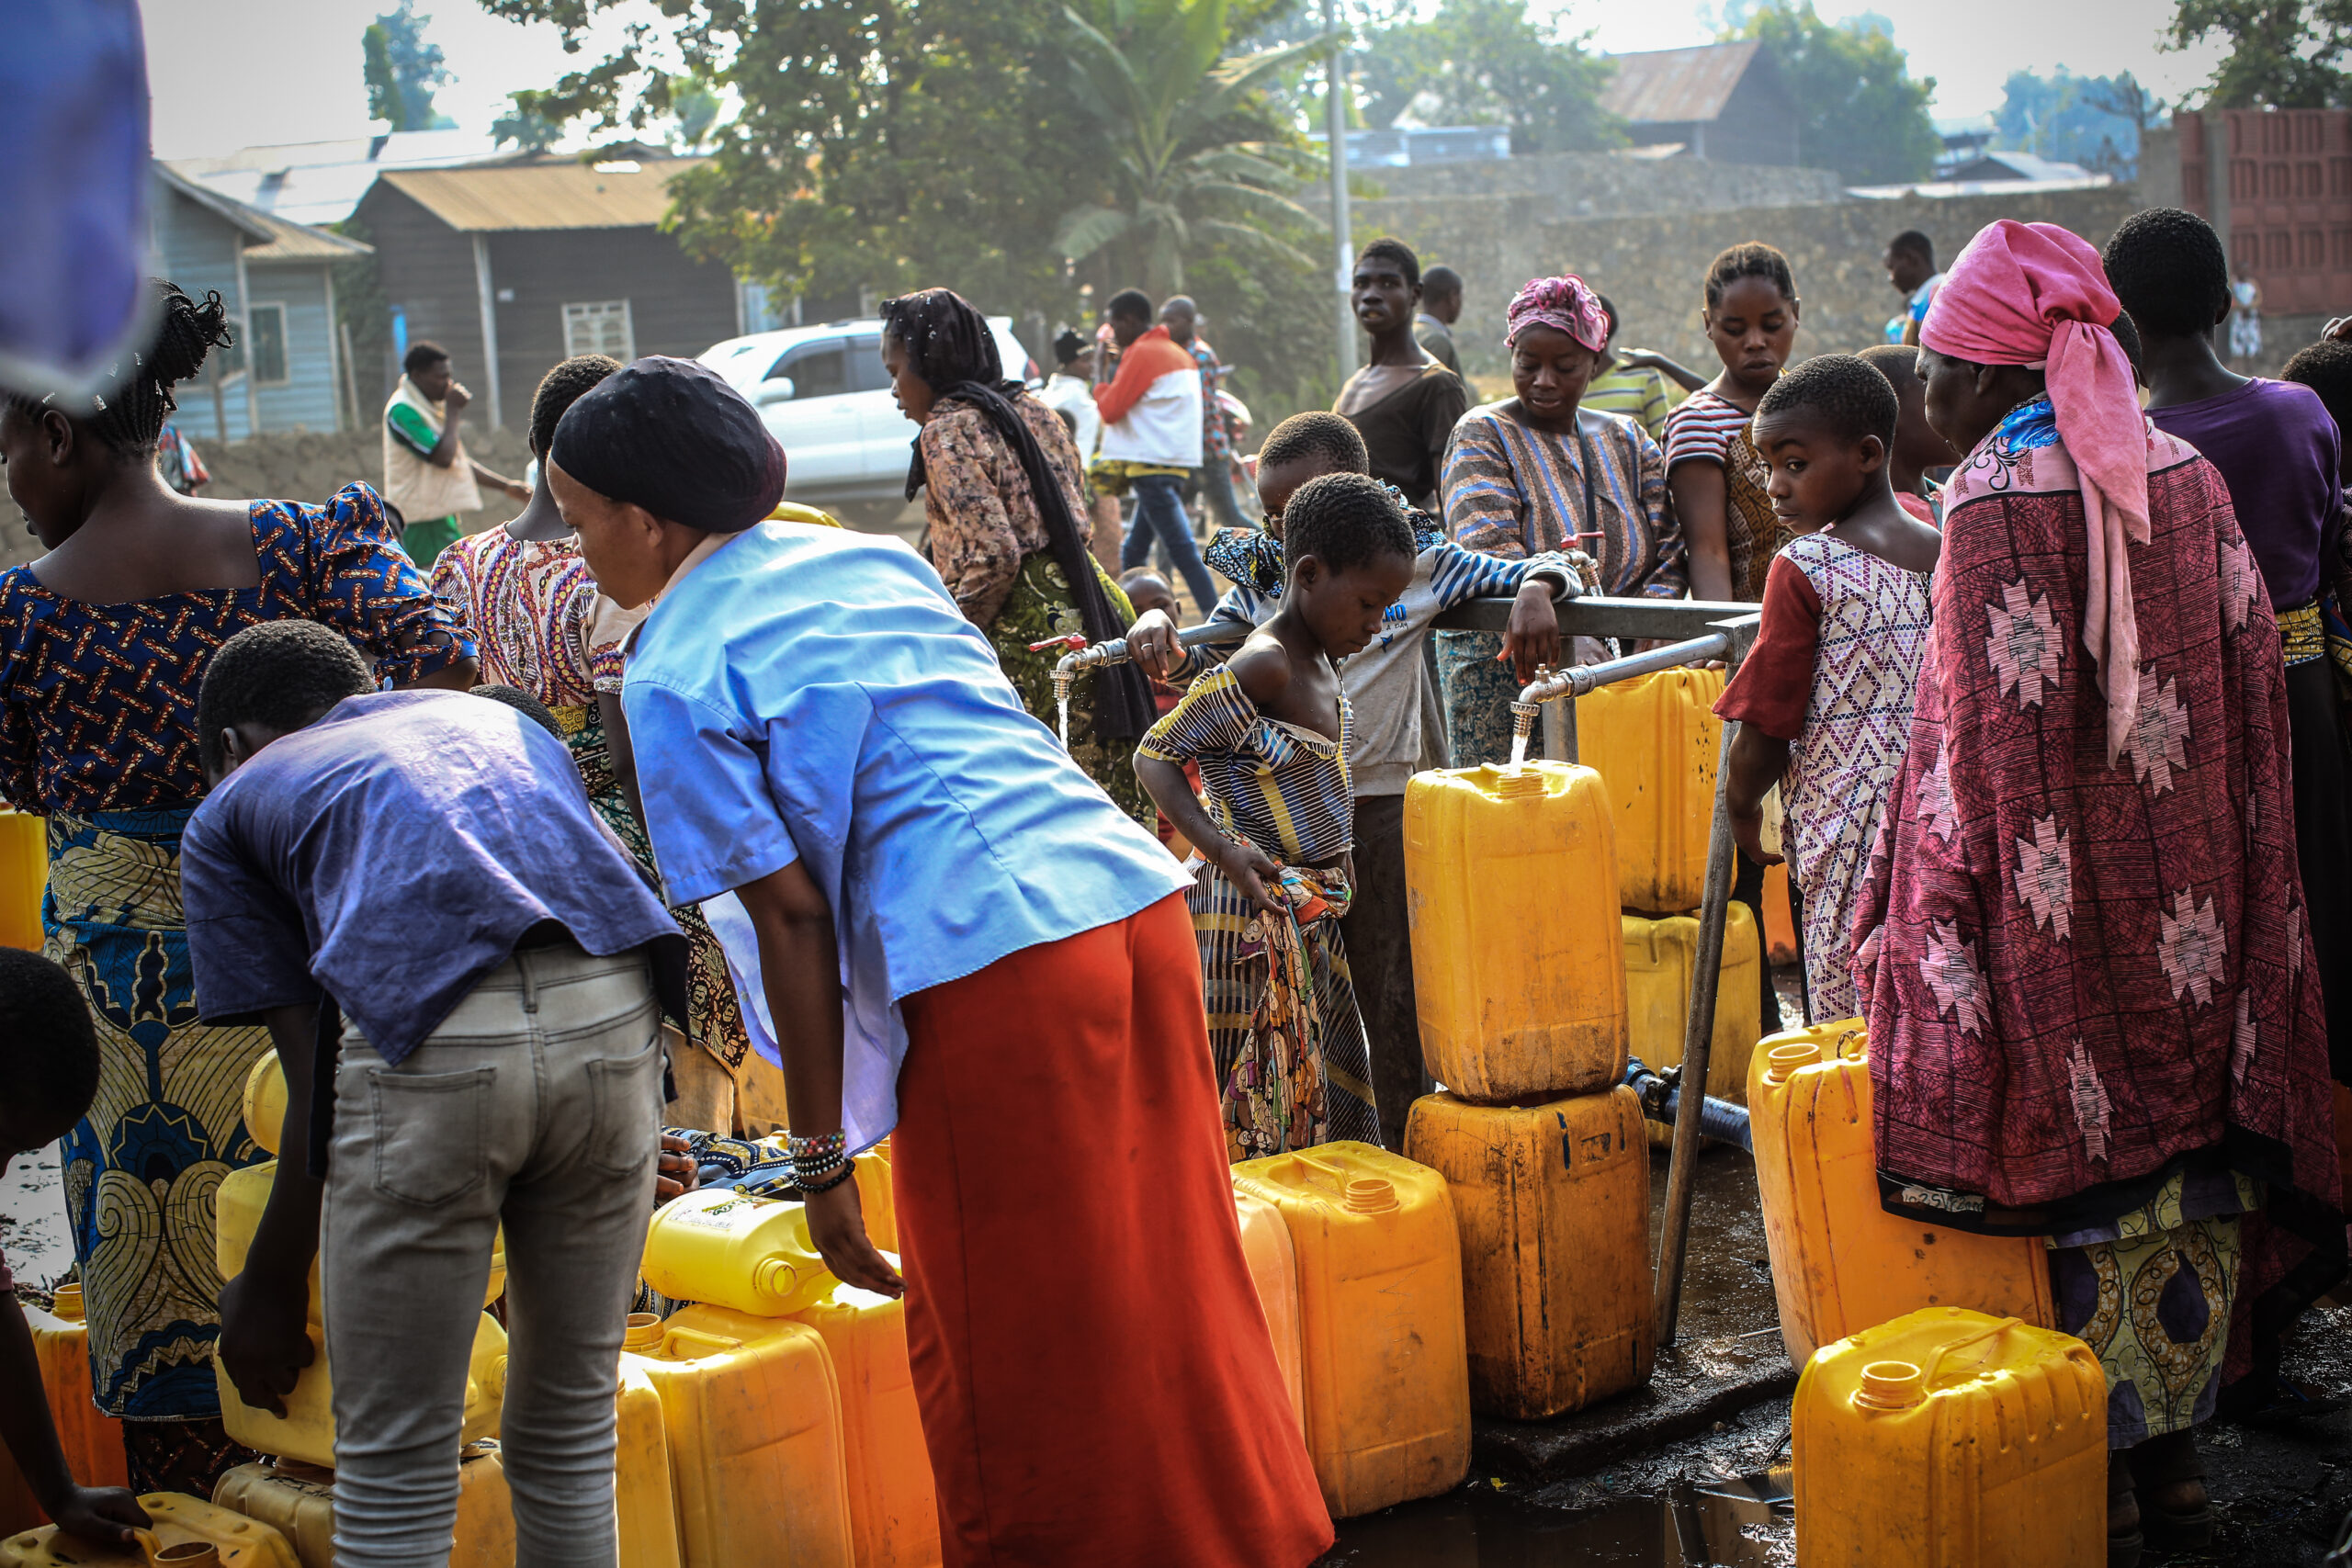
{"type": "Point", "coordinates": [1175, 114]}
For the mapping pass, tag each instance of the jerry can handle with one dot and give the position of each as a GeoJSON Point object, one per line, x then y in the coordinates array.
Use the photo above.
{"type": "Point", "coordinates": [1927, 1373]}
{"type": "Point", "coordinates": [720, 1343]}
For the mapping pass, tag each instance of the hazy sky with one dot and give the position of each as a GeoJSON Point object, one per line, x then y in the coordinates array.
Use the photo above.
{"type": "Point", "coordinates": [230, 74]}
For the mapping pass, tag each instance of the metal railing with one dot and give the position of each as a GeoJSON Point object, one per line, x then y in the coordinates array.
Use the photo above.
{"type": "Point", "coordinates": [1690, 631]}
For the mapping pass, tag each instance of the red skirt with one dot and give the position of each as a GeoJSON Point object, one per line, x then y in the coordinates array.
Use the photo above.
{"type": "Point", "coordinates": [1096, 1381]}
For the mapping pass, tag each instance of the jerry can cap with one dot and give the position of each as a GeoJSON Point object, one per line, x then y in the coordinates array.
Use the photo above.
{"type": "Point", "coordinates": [1782, 1062]}
{"type": "Point", "coordinates": [1892, 1386]}
{"type": "Point", "coordinates": [66, 1303]}
{"type": "Point", "coordinates": [643, 1333]}
{"type": "Point", "coordinates": [1370, 1195]}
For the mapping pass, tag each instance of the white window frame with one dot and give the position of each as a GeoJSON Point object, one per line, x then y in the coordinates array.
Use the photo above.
{"type": "Point", "coordinates": [284, 342]}
{"type": "Point", "coordinates": [584, 328]}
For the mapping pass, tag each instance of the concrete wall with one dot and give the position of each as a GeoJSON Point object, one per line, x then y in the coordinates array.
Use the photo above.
{"type": "Point", "coordinates": [1652, 266]}
{"type": "Point", "coordinates": [1578, 185]}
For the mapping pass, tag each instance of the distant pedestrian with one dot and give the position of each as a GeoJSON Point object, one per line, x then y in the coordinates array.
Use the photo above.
{"type": "Point", "coordinates": [1182, 320]}
{"type": "Point", "coordinates": [1000, 480]}
{"type": "Point", "coordinates": [428, 479]}
{"type": "Point", "coordinates": [1441, 308]}
{"type": "Point", "coordinates": [1634, 382]}
{"type": "Point", "coordinates": [2245, 317]}
{"type": "Point", "coordinates": [1152, 438]}
{"type": "Point", "coordinates": [1910, 263]}
{"type": "Point", "coordinates": [1712, 465]}
{"type": "Point", "coordinates": [1823, 697]}
{"type": "Point", "coordinates": [1917, 446]}
{"type": "Point", "coordinates": [1070, 392]}
{"type": "Point", "coordinates": [177, 460]}
{"type": "Point", "coordinates": [1405, 402]}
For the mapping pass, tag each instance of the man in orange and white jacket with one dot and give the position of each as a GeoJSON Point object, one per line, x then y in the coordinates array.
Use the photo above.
{"type": "Point", "coordinates": [1151, 438]}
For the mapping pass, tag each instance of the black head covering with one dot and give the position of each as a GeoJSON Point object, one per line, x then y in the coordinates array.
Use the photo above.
{"type": "Point", "coordinates": [672, 436]}
{"type": "Point", "coordinates": [949, 345]}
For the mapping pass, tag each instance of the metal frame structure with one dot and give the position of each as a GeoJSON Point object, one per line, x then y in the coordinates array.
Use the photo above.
{"type": "Point", "coordinates": [1690, 631]}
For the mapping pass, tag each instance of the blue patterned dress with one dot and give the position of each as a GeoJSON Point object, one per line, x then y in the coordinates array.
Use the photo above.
{"type": "Point", "coordinates": [99, 734]}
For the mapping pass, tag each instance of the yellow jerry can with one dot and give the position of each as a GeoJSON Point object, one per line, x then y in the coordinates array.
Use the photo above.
{"type": "Point", "coordinates": [1511, 883]}
{"type": "Point", "coordinates": [298, 1501]}
{"type": "Point", "coordinates": [1274, 1269]}
{"type": "Point", "coordinates": [237, 1206]}
{"type": "Point", "coordinates": [24, 877]}
{"type": "Point", "coordinates": [753, 1418]}
{"type": "Point", "coordinates": [874, 1191]}
{"type": "Point", "coordinates": [731, 1250]}
{"type": "Point", "coordinates": [1780, 922]}
{"type": "Point", "coordinates": [1659, 956]}
{"type": "Point", "coordinates": [265, 1102]}
{"type": "Point", "coordinates": [893, 1506]}
{"type": "Point", "coordinates": [1655, 742]}
{"type": "Point", "coordinates": [1946, 1438]}
{"type": "Point", "coordinates": [91, 1439]}
{"type": "Point", "coordinates": [189, 1533]}
{"type": "Point", "coordinates": [641, 1492]}
{"type": "Point", "coordinates": [1380, 1320]}
{"type": "Point", "coordinates": [1840, 1262]}
{"type": "Point", "coordinates": [1553, 1204]}
{"type": "Point", "coordinates": [306, 1432]}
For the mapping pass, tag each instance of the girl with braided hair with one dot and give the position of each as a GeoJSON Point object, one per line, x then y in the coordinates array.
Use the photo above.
{"type": "Point", "coordinates": [1004, 495]}
{"type": "Point", "coordinates": [103, 642]}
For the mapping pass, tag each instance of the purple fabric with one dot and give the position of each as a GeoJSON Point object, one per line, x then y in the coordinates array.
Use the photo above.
{"type": "Point", "coordinates": [2276, 449]}
{"type": "Point", "coordinates": [391, 855]}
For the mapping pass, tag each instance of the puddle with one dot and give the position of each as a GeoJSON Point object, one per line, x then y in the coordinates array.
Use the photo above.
{"type": "Point", "coordinates": [1713, 1524]}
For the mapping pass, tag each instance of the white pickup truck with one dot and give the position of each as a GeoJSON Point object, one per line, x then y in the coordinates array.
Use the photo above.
{"type": "Point", "coordinates": [824, 396]}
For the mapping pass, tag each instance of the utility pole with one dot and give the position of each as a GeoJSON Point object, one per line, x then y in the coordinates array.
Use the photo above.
{"type": "Point", "coordinates": [1334, 101]}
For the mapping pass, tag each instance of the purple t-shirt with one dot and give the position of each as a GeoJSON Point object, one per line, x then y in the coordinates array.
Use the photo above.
{"type": "Point", "coordinates": [391, 855]}
{"type": "Point", "coordinates": [2276, 449]}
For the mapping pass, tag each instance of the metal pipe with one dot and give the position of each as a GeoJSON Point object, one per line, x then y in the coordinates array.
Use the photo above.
{"type": "Point", "coordinates": [1698, 1044]}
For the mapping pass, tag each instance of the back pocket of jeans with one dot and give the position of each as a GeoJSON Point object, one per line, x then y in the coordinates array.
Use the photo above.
{"type": "Point", "coordinates": [432, 1132]}
{"type": "Point", "coordinates": [625, 1114]}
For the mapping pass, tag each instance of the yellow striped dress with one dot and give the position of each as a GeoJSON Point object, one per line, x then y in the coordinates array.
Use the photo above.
{"type": "Point", "coordinates": [1291, 1065]}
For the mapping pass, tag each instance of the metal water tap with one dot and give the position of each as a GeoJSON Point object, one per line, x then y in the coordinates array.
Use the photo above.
{"type": "Point", "coordinates": [1065, 668]}
{"type": "Point", "coordinates": [1548, 684]}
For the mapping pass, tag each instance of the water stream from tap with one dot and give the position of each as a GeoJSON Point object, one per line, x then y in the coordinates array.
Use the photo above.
{"type": "Point", "coordinates": [1519, 752]}
{"type": "Point", "coordinates": [1063, 703]}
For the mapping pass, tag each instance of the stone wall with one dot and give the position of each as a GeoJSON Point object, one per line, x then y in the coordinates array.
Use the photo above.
{"type": "Point", "coordinates": [1652, 266]}
{"type": "Point", "coordinates": [1592, 185]}
{"type": "Point", "coordinates": [303, 466]}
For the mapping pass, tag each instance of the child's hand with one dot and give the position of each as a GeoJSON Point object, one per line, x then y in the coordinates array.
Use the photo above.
{"type": "Point", "coordinates": [1249, 868]}
{"type": "Point", "coordinates": [1151, 642]}
{"type": "Point", "coordinates": [1532, 638]}
{"type": "Point", "coordinates": [1748, 832]}
{"type": "Point", "coordinates": [104, 1515]}
{"type": "Point", "coordinates": [836, 1226]}
{"type": "Point", "coordinates": [265, 1337]}
{"type": "Point", "coordinates": [674, 1172]}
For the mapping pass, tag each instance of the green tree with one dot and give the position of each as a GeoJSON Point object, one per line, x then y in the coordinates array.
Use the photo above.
{"type": "Point", "coordinates": [402, 71]}
{"type": "Point", "coordinates": [525, 127]}
{"type": "Point", "coordinates": [696, 109]}
{"type": "Point", "coordinates": [2283, 53]}
{"type": "Point", "coordinates": [1190, 160]}
{"type": "Point", "coordinates": [1861, 112]}
{"type": "Point", "coordinates": [1487, 62]}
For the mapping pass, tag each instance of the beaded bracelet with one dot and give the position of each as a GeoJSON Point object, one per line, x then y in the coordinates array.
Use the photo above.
{"type": "Point", "coordinates": [806, 1148]}
{"type": "Point", "coordinates": [810, 1188]}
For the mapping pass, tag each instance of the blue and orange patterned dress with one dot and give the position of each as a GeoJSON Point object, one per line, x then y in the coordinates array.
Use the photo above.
{"type": "Point", "coordinates": [1292, 1068]}
{"type": "Point", "coordinates": [99, 734]}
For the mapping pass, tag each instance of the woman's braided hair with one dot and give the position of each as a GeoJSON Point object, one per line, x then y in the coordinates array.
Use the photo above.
{"type": "Point", "coordinates": [129, 416]}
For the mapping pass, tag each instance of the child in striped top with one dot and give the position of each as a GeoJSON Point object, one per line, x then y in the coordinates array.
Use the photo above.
{"type": "Point", "coordinates": [1712, 468]}
{"type": "Point", "coordinates": [1273, 868]}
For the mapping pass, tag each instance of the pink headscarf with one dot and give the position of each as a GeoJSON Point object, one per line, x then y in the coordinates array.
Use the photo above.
{"type": "Point", "coordinates": [1564, 304]}
{"type": "Point", "coordinates": [2034, 294]}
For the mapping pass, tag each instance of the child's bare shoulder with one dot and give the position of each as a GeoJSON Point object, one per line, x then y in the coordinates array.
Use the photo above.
{"type": "Point", "coordinates": [1262, 669]}
{"type": "Point", "coordinates": [1894, 536]}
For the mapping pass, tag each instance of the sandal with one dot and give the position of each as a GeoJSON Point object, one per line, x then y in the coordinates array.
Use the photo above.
{"type": "Point", "coordinates": [2123, 1538]}
{"type": "Point", "coordinates": [2169, 1482]}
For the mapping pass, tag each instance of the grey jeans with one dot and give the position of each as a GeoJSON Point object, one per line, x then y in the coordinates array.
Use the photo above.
{"type": "Point", "coordinates": [537, 1104]}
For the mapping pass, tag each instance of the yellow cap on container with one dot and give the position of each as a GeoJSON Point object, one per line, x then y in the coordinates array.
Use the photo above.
{"type": "Point", "coordinates": [1890, 1385]}
{"type": "Point", "coordinates": [1781, 1061]}
{"type": "Point", "coordinates": [67, 1303]}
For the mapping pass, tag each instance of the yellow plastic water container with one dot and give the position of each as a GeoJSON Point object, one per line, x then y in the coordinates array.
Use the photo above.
{"type": "Point", "coordinates": [1948, 1439]}
{"type": "Point", "coordinates": [1274, 1269]}
{"type": "Point", "coordinates": [306, 1432]}
{"type": "Point", "coordinates": [875, 1198]}
{"type": "Point", "coordinates": [265, 1102]}
{"type": "Point", "coordinates": [24, 877]}
{"type": "Point", "coordinates": [1779, 923]}
{"type": "Point", "coordinates": [1840, 1262]}
{"type": "Point", "coordinates": [1659, 956]}
{"type": "Point", "coordinates": [731, 1249]}
{"type": "Point", "coordinates": [189, 1533]}
{"type": "Point", "coordinates": [237, 1206]}
{"type": "Point", "coordinates": [1655, 742]}
{"type": "Point", "coordinates": [298, 1501]}
{"type": "Point", "coordinates": [753, 1419]}
{"type": "Point", "coordinates": [641, 1494]}
{"type": "Point", "coordinates": [1380, 1320]}
{"type": "Point", "coordinates": [893, 1506]}
{"type": "Point", "coordinates": [1512, 883]}
{"type": "Point", "coordinates": [92, 1441]}
{"type": "Point", "coordinates": [1553, 1204]}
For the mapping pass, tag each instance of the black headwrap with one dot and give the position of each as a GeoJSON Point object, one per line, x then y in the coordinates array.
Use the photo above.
{"type": "Point", "coordinates": [949, 345]}
{"type": "Point", "coordinates": [672, 436]}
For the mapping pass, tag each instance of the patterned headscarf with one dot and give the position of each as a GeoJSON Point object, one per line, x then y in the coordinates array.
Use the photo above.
{"type": "Point", "coordinates": [1564, 304]}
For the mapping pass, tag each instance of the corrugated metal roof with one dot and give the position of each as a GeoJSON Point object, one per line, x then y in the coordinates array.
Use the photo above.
{"type": "Point", "coordinates": [300, 241]}
{"type": "Point", "coordinates": [1671, 86]}
{"type": "Point", "coordinates": [560, 194]}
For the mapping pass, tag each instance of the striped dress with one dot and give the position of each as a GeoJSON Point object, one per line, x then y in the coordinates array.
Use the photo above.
{"type": "Point", "coordinates": [1292, 1066]}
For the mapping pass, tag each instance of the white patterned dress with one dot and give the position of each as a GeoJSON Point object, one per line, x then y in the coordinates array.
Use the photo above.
{"type": "Point", "coordinates": [1869, 624]}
